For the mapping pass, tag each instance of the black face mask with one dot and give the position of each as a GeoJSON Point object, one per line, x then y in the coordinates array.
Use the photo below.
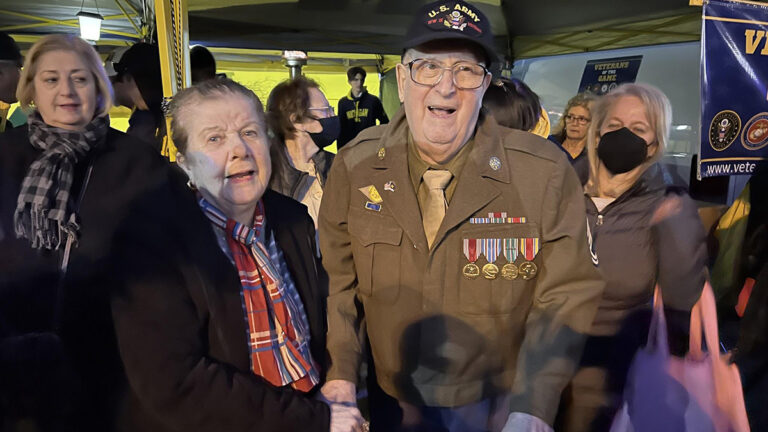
{"type": "Point", "coordinates": [622, 151]}
{"type": "Point", "coordinates": [329, 134]}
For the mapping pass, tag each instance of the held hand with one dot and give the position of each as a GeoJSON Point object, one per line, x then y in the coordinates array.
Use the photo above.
{"type": "Point", "coordinates": [345, 418]}
{"type": "Point", "coordinates": [339, 391]}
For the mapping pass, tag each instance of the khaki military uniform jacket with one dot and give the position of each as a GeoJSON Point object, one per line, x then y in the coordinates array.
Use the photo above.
{"type": "Point", "coordinates": [437, 337]}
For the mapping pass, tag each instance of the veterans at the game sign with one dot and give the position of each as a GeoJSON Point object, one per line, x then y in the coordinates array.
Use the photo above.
{"type": "Point", "coordinates": [604, 75]}
{"type": "Point", "coordinates": [734, 92]}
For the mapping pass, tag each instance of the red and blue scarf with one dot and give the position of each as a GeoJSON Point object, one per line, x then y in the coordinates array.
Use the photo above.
{"type": "Point", "coordinates": [278, 330]}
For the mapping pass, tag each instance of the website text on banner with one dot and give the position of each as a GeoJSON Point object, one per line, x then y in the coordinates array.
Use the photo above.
{"type": "Point", "coordinates": [734, 88]}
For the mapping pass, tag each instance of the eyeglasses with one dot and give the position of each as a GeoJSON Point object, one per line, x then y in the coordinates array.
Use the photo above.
{"type": "Point", "coordinates": [323, 112]}
{"type": "Point", "coordinates": [465, 75]}
{"type": "Point", "coordinates": [577, 119]}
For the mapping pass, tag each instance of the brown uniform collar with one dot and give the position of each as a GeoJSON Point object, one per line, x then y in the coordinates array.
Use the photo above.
{"type": "Point", "coordinates": [477, 184]}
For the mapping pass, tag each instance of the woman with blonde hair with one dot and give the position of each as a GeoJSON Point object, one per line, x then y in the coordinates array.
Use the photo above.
{"type": "Point", "coordinates": [69, 184]}
{"type": "Point", "coordinates": [571, 132]}
{"type": "Point", "coordinates": [643, 231]}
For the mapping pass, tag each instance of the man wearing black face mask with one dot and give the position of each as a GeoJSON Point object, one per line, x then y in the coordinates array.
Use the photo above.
{"type": "Point", "coordinates": [303, 124]}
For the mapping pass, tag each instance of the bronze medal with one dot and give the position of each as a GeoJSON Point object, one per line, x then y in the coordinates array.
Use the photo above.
{"type": "Point", "coordinates": [471, 271]}
{"type": "Point", "coordinates": [509, 271]}
{"type": "Point", "coordinates": [490, 271]}
{"type": "Point", "coordinates": [528, 270]}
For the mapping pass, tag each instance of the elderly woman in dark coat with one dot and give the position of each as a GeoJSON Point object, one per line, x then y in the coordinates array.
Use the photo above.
{"type": "Point", "coordinates": [242, 348]}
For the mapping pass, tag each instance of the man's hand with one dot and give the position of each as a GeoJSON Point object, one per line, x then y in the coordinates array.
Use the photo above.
{"type": "Point", "coordinates": [339, 391]}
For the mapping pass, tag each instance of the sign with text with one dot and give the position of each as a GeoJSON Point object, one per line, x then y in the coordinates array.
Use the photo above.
{"type": "Point", "coordinates": [734, 97]}
{"type": "Point", "coordinates": [602, 76]}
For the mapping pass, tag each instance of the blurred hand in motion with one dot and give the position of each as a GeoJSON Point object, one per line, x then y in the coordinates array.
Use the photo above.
{"type": "Point", "coordinates": [669, 207]}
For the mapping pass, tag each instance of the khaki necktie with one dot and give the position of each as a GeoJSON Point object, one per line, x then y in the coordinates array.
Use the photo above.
{"type": "Point", "coordinates": [434, 210]}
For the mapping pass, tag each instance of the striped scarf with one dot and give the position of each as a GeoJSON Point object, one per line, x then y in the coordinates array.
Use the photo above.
{"type": "Point", "coordinates": [278, 330]}
{"type": "Point", "coordinates": [44, 214]}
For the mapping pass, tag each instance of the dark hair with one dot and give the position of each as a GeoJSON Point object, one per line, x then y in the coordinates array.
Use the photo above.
{"type": "Point", "coordinates": [289, 98]}
{"type": "Point", "coordinates": [10, 51]}
{"type": "Point", "coordinates": [202, 64]}
{"type": "Point", "coordinates": [205, 90]}
{"type": "Point", "coordinates": [354, 71]}
{"type": "Point", "coordinates": [142, 62]}
{"type": "Point", "coordinates": [512, 103]}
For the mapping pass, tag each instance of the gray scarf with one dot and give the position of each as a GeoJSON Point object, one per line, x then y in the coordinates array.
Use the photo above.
{"type": "Point", "coordinates": [44, 214]}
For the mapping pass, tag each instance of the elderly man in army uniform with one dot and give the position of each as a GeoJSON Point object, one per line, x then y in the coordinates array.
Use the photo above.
{"type": "Point", "coordinates": [457, 248]}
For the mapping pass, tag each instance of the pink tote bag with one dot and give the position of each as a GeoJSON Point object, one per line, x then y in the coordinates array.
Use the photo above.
{"type": "Point", "coordinates": [699, 393]}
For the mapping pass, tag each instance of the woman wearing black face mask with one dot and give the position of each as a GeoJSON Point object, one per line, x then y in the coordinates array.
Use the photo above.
{"type": "Point", "coordinates": [643, 231]}
{"type": "Point", "coordinates": [304, 124]}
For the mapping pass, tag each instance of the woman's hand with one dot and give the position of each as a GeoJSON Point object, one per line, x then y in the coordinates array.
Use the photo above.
{"type": "Point", "coordinates": [345, 418]}
{"type": "Point", "coordinates": [341, 398]}
{"type": "Point", "coordinates": [670, 206]}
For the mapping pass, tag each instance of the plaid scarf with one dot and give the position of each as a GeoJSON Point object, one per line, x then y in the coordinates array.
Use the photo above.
{"type": "Point", "coordinates": [44, 214]}
{"type": "Point", "coordinates": [278, 331]}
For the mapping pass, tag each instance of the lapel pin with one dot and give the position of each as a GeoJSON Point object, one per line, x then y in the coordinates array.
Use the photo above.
{"type": "Point", "coordinates": [495, 163]}
{"type": "Point", "coordinates": [389, 186]}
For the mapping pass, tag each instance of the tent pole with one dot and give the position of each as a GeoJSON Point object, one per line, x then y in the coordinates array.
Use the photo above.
{"type": "Point", "coordinates": [173, 41]}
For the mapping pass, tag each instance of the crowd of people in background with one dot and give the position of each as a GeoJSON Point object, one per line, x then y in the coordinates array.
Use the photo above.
{"type": "Point", "coordinates": [485, 277]}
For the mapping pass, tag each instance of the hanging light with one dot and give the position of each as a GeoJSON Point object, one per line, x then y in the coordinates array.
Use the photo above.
{"type": "Point", "coordinates": [90, 23]}
{"type": "Point", "coordinates": [294, 60]}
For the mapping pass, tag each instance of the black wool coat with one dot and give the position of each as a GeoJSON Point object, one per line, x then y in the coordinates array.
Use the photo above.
{"type": "Point", "coordinates": [151, 334]}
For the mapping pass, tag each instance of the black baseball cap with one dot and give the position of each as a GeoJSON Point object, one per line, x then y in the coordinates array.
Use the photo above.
{"type": "Point", "coordinates": [140, 59]}
{"type": "Point", "coordinates": [453, 19]}
{"type": "Point", "coordinates": [9, 51]}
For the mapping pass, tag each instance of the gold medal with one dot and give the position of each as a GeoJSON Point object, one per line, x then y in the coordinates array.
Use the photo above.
{"type": "Point", "coordinates": [471, 271]}
{"type": "Point", "coordinates": [509, 271]}
{"type": "Point", "coordinates": [528, 270]}
{"type": "Point", "coordinates": [490, 271]}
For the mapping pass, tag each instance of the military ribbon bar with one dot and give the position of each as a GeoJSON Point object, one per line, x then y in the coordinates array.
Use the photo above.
{"type": "Point", "coordinates": [502, 219]}
{"type": "Point", "coordinates": [497, 217]}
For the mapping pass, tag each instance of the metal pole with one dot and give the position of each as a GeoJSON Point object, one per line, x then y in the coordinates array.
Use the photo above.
{"type": "Point", "coordinates": [173, 41]}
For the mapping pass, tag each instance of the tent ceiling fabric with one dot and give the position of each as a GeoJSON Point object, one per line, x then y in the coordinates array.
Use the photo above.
{"type": "Point", "coordinates": [535, 27]}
